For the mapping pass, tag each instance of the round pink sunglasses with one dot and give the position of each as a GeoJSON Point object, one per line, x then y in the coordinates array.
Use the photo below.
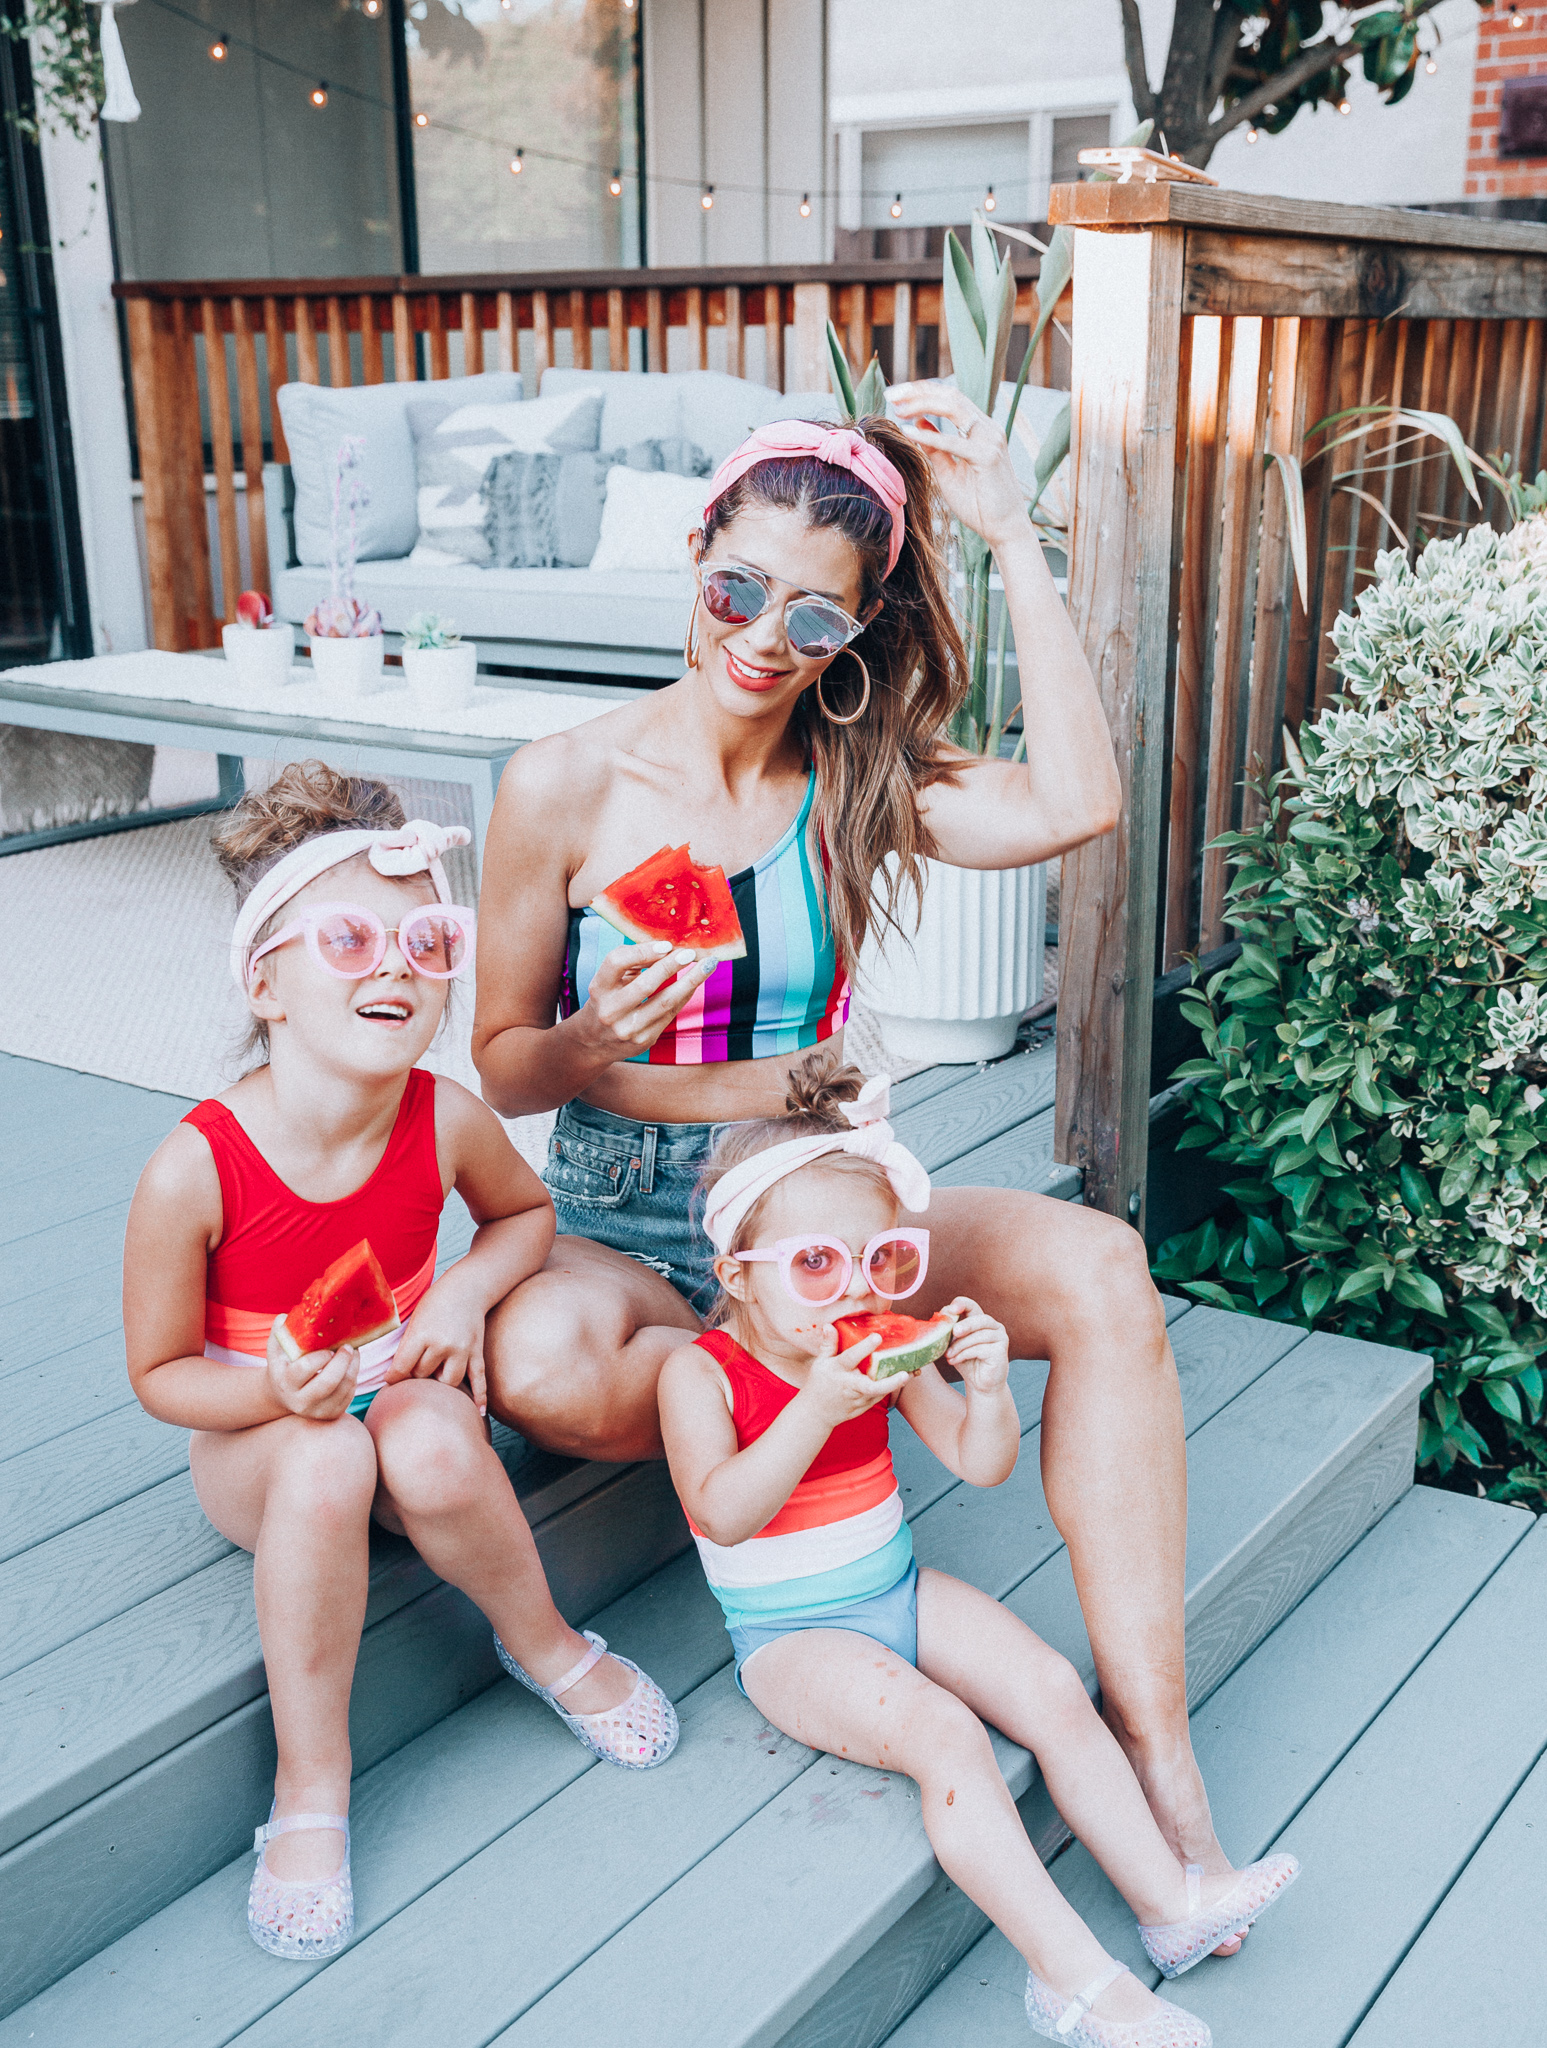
{"type": "Point", "coordinates": [817, 1270]}
{"type": "Point", "coordinates": [350, 941]}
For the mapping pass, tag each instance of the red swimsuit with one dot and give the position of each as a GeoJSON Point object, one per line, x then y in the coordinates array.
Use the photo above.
{"type": "Point", "coordinates": [273, 1243]}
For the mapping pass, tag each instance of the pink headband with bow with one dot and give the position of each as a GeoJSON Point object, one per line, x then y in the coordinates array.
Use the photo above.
{"type": "Point", "coordinates": [839, 447]}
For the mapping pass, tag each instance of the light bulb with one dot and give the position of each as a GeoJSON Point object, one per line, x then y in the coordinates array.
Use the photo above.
{"type": "Point", "coordinates": [896, 207]}
{"type": "Point", "coordinates": [1517, 19]}
{"type": "Point", "coordinates": [1251, 135]}
{"type": "Point", "coordinates": [1430, 66]}
{"type": "Point", "coordinates": [319, 93]}
{"type": "Point", "coordinates": [989, 201]}
{"type": "Point", "coordinates": [805, 206]}
{"type": "Point", "coordinates": [218, 50]}
{"type": "Point", "coordinates": [1345, 106]}
{"type": "Point", "coordinates": [370, 9]}
{"type": "Point", "coordinates": [615, 184]}
{"type": "Point", "coordinates": [421, 120]}
{"type": "Point", "coordinates": [516, 165]}
{"type": "Point", "coordinates": [706, 201]}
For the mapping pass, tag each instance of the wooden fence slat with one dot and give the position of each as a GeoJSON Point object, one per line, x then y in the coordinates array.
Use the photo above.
{"type": "Point", "coordinates": [505, 327]}
{"type": "Point", "coordinates": [217, 385]}
{"type": "Point", "coordinates": [773, 336]}
{"type": "Point", "coordinates": [1319, 350]}
{"type": "Point", "coordinates": [859, 324]}
{"type": "Point", "coordinates": [902, 334]}
{"type": "Point", "coordinates": [735, 332]}
{"type": "Point", "coordinates": [472, 335]}
{"type": "Point", "coordinates": [405, 356]}
{"type": "Point", "coordinates": [370, 341]}
{"type": "Point", "coordinates": [617, 330]}
{"type": "Point", "coordinates": [579, 330]}
{"type": "Point", "coordinates": [277, 366]}
{"type": "Point", "coordinates": [306, 369]}
{"type": "Point", "coordinates": [1208, 386]}
{"type": "Point", "coordinates": [1349, 372]}
{"type": "Point", "coordinates": [698, 329]}
{"type": "Point", "coordinates": [339, 369]}
{"type": "Point", "coordinates": [1277, 589]}
{"type": "Point", "coordinates": [183, 370]}
{"type": "Point", "coordinates": [1247, 415]}
{"type": "Point", "coordinates": [542, 335]}
{"type": "Point", "coordinates": [813, 310]}
{"type": "Point", "coordinates": [439, 340]}
{"type": "Point", "coordinates": [250, 412]}
{"type": "Point", "coordinates": [1127, 527]}
{"type": "Point", "coordinates": [1530, 435]}
{"type": "Point", "coordinates": [144, 319]}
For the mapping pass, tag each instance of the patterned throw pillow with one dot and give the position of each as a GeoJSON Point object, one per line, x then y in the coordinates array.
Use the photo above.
{"type": "Point", "coordinates": [545, 511]}
{"type": "Point", "coordinates": [454, 446]}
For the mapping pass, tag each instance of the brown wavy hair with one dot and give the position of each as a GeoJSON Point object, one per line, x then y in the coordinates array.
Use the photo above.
{"type": "Point", "coordinates": [869, 775]}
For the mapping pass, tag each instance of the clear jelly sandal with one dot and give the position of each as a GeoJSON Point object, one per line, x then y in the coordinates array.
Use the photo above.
{"type": "Point", "coordinates": [1057, 2018]}
{"type": "Point", "coordinates": [637, 1734]}
{"type": "Point", "coordinates": [301, 1919]}
{"type": "Point", "coordinates": [1176, 1948]}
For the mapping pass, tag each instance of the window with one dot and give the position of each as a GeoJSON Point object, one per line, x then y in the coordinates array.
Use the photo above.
{"type": "Point", "coordinates": [1071, 134]}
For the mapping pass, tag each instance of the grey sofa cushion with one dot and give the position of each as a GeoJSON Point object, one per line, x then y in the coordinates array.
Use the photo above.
{"type": "Point", "coordinates": [545, 511]}
{"type": "Point", "coordinates": [316, 418]}
{"type": "Point", "coordinates": [706, 406]}
{"type": "Point", "coordinates": [454, 445]}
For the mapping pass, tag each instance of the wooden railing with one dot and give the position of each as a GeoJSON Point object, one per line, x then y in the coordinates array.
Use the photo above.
{"type": "Point", "coordinates": [192, 345]}
{"type": "Point", "coordinates": [1213, 330]}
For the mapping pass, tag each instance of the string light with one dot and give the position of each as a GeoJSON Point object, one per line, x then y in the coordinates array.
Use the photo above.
{"type": "Point", "coordinates": [1430, 66]}
{"type": "Point", "coordinates": [1251, 135]}
{"type": "Point", "coordinates": [896, 207]}
{"type": "Point", "coordinates": [218, 50]}
{"type": "Point", "coordinates": [370, 9]}
{"type": "Point", "coordinates": [805, 206]}
{"type": "Point", "coordinates": [319, 93]}
{"type": "Point", "coordinates": [1517, 19]}
{"type": "Point", "coordinates": [516, 165]}
{"type": "Point", "coordinates": [706, 198]}
{"type": "Point", "coordinates": [421, 120]}
{"type": "Point", "coordinates": [615, 184]}
{"type": "Point", "coordinates": [989, 201]}
{"type": "Point", "coordinates": [1345, 106]}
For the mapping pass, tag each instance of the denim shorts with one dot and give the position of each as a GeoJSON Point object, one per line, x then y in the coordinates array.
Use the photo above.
{"type": "Point", "coordinates": [890, 1618]}
{"type": "Point", "coordinates": [636, 1187]}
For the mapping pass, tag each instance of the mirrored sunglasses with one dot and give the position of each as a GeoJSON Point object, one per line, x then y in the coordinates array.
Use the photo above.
{"type": "Point", "coordinates": [814, 626]}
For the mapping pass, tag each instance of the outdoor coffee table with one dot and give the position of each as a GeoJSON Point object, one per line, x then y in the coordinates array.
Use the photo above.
{"type": "Point", "coordinates": [192, 700]}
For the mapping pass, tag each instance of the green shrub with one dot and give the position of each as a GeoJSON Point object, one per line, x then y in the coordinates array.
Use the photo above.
{"type": "Point", "coordinates": [1374, 1060]}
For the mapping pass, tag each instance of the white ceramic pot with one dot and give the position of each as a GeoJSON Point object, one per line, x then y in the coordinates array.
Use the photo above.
{"type": "Point", "coordinates": [261, 656]}
{"type": "Point", "coordinates": [973, 969]}
{"type": "Point", "coordinates": [442, 678]}
{"type": "Point", "coordinates": [352, 666]}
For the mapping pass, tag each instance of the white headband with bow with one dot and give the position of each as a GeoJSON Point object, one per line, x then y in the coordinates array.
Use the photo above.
{"type": "Point", "coordinates": [872, 1137]}
{"type": "Point", "coordinates": [411, 849]}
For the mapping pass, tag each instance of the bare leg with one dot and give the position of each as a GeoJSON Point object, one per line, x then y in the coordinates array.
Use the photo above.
{"type": "Point", "coordinates": [444, 1488]}
{"type": "Point", "coordinates": [297, 1494]}
{"type": "Point", "coordinates": [1073, 1286]}
{"type": "Point", "coordinates": [850, 1696]}
{"type": "Point", "coordinates": [574, 1353]}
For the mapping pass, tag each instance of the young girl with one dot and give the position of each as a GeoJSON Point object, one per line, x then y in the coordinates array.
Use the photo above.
{"type": "Point", "coordinates": [778, 1447]}
{"type": "Point", "coordinates": [345, 947]}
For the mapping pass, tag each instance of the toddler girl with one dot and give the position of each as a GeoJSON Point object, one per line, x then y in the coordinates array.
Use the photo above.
{"type": "Point", "coordinates": [345, 947]}
{"type": "Point", "coordinates": [778, 1448]}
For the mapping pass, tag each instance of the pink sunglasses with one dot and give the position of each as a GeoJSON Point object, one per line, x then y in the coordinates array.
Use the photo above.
{"type": "Point", "coordinates": [351, 942]}
{"type": "Point", "coordinates": [817, 1270]}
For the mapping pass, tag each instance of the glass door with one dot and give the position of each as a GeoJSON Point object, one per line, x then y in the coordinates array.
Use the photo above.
{"type": "Point", "coordinates": [43, 615]}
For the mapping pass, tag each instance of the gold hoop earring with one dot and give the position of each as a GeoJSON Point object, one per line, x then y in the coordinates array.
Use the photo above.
{"type": "Point", "coordinates": [690, 639]}
{"type": "Point", "coordinates": [859, 710]}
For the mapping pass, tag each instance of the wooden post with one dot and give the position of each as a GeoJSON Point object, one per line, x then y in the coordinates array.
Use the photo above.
{"type": "Point", "coordinates": [773, 336]}
{"type": "Point", "coordinates": [1123, 558]}
{"type": "Point", "coordinates": [813, 310]}
{"type": "Point", "coordinates": [902, 334]}
{"type": "Point", "coordinates": [250, 413]}
{"type": "Point", "coordinates": [217, 384]}
{"type": "Point", "coordinates": [617, 331]}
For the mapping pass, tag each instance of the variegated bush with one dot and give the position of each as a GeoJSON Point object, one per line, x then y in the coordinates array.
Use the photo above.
{"type": "Point", "coordinates": [1375, 1061]}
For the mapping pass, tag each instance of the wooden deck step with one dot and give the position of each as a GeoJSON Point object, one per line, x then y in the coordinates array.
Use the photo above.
{"type": "Point", "coordinates": [491, 1821]}
{"type": "Point", "coordinates": [1289, 1737]}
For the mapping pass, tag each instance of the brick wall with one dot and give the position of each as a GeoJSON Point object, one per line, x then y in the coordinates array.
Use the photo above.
{"type": "Point", "coordinates": [1504, 52]}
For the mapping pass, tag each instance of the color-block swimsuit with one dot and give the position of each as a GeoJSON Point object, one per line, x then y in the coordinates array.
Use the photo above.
{"type": "Point", "coordinates": [838, 1554]}
{"type": "Point", "coordinates": [630, 1184]}
{"type": "Point", "coordinates": [273, 1244]}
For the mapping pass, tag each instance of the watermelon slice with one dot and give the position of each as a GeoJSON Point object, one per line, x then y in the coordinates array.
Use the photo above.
{"type": "Point", "coordinates": [906, 1346]}
{"type": "Point", "coordinates": [670, 896]}
{"type": "Point", "coordinates": [350, 1303]}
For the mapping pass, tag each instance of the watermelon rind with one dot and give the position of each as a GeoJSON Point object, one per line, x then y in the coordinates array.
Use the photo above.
{"type": "Point", "coordinates": [291, 1349]}
{"type": "Point", "coordinates": [903, 1359]}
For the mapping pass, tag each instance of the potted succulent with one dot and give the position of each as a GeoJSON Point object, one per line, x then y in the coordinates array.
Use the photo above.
{"type": "Point", "coordinates": [951, 982]}
{"type": "Point", "coordinates": [345, 635]}
{"type": "Point", "coordinates": [440, 665]}
{"type": "Point", "coordinates": [260, 649]}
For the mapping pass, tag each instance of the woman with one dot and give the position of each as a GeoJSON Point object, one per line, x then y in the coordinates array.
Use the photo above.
{"type": "Point", "coordinates": [798, 750]}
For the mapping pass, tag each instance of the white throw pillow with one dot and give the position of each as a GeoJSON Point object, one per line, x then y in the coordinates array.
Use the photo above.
{"type": "Point", "coordinates": [453, 447]}
{"type": "Point", "coordinates": [646, 520]}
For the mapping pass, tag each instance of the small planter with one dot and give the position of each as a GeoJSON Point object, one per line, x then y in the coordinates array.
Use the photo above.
{"type": "Point", "coordinates": [352, 666]}
{"type": "Point", "coordinates": [974, 967]}
{"type": "Point", "coordinates": [442, 678]}
{"type": "Point", "coordinates": [260, 657]}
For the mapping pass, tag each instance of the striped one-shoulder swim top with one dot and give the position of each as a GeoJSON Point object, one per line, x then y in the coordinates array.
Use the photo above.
{"type": "Point", "coordinates": [790, 990]}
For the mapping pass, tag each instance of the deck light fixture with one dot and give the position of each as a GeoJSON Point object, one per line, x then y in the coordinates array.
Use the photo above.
{"type": "Point", "coordinates": [516, 165]}
{"type": "Point", "coordinates": [896, 207]}
{"type": "Point", "coordinates": [706, 198]}
{"type": "Point", "coordinates": [319, 93]}
{"type": "Point", "coordinates": [615, 184]}
{"type": "Point", "coordinates": [805, 206]}
{"type": "Point", "coordinates": [219, 50]}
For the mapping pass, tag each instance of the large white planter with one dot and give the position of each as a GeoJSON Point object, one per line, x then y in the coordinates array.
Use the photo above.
{"type": "Point", "coordinates": [353, 666]}
{"type": "Point", "coordinates": [973, 969]}
{"type": "Point", "coordinates": [260, 656]}
{"type": "Point", "coordinates": [442, 678]}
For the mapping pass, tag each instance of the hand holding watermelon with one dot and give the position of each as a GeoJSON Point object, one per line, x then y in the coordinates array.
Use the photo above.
{"type": "Point", "coordinates": [317, 1384]}
{"type": "Point", "coordinates": [980, 1347]}
{"type": "Point", "coordinates": [634, 994]}
{"type": "Point", "coordinates": [838, 1385]}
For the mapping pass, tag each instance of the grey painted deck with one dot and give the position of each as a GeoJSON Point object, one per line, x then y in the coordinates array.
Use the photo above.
{"type": "Point", "coordinates": [506, 1887]}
